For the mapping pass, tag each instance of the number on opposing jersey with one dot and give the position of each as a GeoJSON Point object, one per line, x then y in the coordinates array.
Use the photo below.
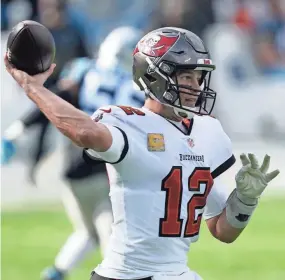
{"type": "Point", "coordinates": [131, 111]}
{"type": "Point", "coordinates": [171, 224]}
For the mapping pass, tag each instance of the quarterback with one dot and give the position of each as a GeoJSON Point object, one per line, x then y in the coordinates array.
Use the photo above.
{"type": "Point", "coordinates": [163, 160]}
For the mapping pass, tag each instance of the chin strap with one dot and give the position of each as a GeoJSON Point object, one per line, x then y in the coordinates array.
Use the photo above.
{"type": "Point", "coordinates": [183, 114]}
{"type": "Point", "coordinates": [178, 112]}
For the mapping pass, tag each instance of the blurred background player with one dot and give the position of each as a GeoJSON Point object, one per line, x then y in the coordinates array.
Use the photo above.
{"type": "Point", "coordinates": [68, 38]}
{"type": "Point", "coordinates": [69, 45]}
{"type": "Point", "coordinates": [88, 84]}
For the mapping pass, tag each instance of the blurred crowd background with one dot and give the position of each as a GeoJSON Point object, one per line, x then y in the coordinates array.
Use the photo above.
{"type": "Point", "coordinates": [91, 20]}
{"type": "Point", "coordinates": [246, 39]}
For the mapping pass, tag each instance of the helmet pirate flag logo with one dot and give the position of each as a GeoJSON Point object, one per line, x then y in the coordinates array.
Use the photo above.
{"type": "Point", "coordinates": [155, 45]}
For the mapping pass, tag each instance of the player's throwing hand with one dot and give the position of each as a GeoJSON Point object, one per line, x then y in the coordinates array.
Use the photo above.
{"type": "Point", "coordinates": [24, 79]}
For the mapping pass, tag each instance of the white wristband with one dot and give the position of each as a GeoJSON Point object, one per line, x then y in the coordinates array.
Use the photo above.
{"type": "Point", "coordinates": [238, 214]}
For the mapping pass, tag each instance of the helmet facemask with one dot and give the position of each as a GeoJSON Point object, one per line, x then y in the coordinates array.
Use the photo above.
{"type": "Point", "coordinates": [174, 93]}
{"type": "Point", "coordinates": [177, 95]}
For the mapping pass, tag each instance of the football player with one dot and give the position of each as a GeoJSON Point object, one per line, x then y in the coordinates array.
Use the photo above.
{"type": "Point", "coordinates": [163, 160]}
{"type": "Point", "coordinates": [87, 84]}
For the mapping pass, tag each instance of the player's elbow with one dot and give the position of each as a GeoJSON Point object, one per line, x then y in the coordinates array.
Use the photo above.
{"type": "Point", "coordinates": [226, 239]}
{"type": "Point", "coordinates": [221, 234]}
{"type": "Point", "coordinates": [85, 138]}
{"type": "Point", "coordinates": [225, 236]}
{"type": "Point", "coordinates": [96, 137]}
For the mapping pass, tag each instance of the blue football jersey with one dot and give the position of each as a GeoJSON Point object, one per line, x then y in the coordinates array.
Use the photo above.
{"type": "Point", "coordinates": [102, 86]}
{"type": "Point", "coordinates": [108, 86]}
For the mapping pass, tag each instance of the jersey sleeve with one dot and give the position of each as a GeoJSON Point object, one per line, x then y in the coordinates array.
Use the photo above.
{"type": "Point", "coordinates": [216, 200]}
{"type": "Point", "coordinates": [119, 148]}
{"type": "Point", "coordinates": [222, 157]}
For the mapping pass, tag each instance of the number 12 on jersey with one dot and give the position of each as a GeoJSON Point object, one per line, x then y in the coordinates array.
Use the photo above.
{"type": "Point", "coordinates": [171, 224]}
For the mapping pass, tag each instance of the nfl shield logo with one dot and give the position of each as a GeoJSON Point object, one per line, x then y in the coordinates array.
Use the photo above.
{"type": "Point", "coordinates": [191, 142]}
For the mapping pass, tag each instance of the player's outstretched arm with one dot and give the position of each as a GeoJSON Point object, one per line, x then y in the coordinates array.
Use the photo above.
{"type": "Point", "coordinates": [251, 181]}
{"type": "Point", "coordinates": [73, 123]}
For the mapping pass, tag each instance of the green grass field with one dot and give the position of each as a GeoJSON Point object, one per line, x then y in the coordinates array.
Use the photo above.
{"type": "Point", "coordinates": [30, 240]}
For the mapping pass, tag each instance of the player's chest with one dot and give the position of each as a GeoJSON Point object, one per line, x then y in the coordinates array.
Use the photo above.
{"type": "Point", "coordinates": [176, 149]}
{"type": "Point", "coordinates": [171, 153]}
{"type": "Point", "coordinates": [180, 167]}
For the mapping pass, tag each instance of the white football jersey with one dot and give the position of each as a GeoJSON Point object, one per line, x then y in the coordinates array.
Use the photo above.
{"type": "Point", "coordinates": [159, 186]}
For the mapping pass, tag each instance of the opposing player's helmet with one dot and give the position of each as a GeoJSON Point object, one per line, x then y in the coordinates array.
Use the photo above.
{"type": "Point", "coordinates": [157, 58]}
{"type": "Point", "coordinates": [117, 48]}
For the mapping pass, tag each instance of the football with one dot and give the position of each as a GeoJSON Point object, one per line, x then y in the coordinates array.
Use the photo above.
{"type": "Point", "coordinates": [31, 47]}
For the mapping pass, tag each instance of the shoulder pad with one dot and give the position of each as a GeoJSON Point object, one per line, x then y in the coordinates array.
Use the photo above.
{"type": "Point", "coordinates": [208, 120]}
